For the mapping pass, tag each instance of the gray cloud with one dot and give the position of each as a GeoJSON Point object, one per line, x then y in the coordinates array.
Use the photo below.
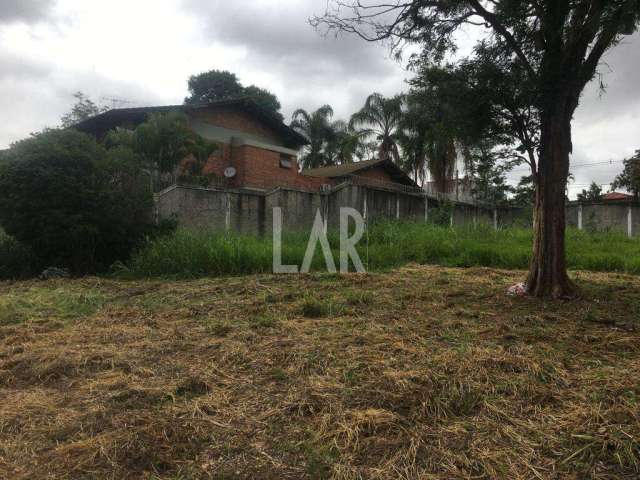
{"type": "Point", "coordinates": [620, 75]}
{"type": "Point", "coordinates": [274, 47]}
{"type": "Point", "coordinates": [27, 11]}
{"type": "Point", "coordinates": [35, 94]}
{"type": "Point", "coordinates": [312, 69]}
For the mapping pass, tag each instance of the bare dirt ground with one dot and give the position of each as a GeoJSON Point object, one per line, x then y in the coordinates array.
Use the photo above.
{"type": "Point", "coordinates": [419, 373]}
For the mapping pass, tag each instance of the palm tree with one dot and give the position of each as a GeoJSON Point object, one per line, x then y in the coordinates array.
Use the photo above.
{"type": "Point", "coordinates": [428, 139]}
{"type": "Point", "coordinates": [318, 129]}
{"type": "Point", "coordinates": [381, 117]}
{"type": "Point", "coordinates": [344, 144]}
{"type": "Point", "coordinates": [414, 138]}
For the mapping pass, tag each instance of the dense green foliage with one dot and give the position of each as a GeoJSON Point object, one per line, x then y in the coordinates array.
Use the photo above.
{"type": "Point", "coordinates": [381, 118]}
{"type": "Point", "coordinates": [594, 194]}
{"type": "Point", "coordinates": [17, 261]}
{"type": "Point", "coordinates": [194, 254]}
{"type": "Point", "coordinates": [73, 202]}
{"type": "Point", "coordinates": [216, 85]}
{"type": "Point", "coordinates": [630, 176]}
{"type": "Point", "coordinates": [330, 142]}
{"type": "Point", "coordinates": [162, 142]}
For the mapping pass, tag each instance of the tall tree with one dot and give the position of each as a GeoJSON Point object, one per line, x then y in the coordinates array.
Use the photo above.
{"type": "Point", "coordinates": [318, 128]}
{"type": "Point", "coordinates": [216, 85]}
{"type": "Point", "coordinates": [594, 194]}
{"type": "Point", "coordinates": [630, 176]}
{"type": "Point", "coordinates": [558, 44]}
{"type": "Point", "coordinates": [82, 109]}
{"type": "Point", "coordinates": [161, 143]}
{"type": "Point", "coordinates": [381, 117]}
{"type": "Point", "coordinates": [213, 86]}
{"type": "Point", "coordinates": [264, 99]}
{"type": "Point", "coordinates": [441, 120]}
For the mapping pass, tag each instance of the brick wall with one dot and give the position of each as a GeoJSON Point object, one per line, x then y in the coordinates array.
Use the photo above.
{"type": "Point", "coordinates": [257, 167]}
{"type": "Point", "coordinates": [237, 120]}
{"type": "Point", "coordinates": [261, 168]}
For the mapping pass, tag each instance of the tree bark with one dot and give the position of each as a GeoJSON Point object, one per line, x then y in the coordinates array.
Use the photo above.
{"type": "Point", "coordinates": [548, 271]}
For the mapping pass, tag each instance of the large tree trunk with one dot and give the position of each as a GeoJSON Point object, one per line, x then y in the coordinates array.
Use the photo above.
{"type": "Point", "coordinates": [548, 272]}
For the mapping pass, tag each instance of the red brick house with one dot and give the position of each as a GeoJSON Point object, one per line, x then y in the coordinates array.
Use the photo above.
{"type": "Point", "coordinates": [255, 149]}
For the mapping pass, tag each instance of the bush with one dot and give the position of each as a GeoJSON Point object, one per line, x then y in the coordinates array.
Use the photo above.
{"type": "Point", "coordinates": [17, 261]}
{"type": "Point", "coordinates": [72, 202]}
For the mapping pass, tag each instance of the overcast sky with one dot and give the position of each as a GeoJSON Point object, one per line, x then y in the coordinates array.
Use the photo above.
{"type": "Point", "coordinates": [143, 51]}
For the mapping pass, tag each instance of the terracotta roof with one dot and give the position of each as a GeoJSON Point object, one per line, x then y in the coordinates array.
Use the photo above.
{"type": "Point", "coordinates": [612, 196]}
{"type": "Point", "coordinates": [353, 168]}
{"type": "Point", "coordinates": [101, 124]}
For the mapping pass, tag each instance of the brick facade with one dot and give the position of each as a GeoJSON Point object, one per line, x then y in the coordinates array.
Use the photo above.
{"type": "Point", "coordinates": [259, 168]}
{"type": "Point", "coordinates": [256, 167]}
{"type": "Point", "coordinates": [240, 121]}
{"type": "Point", "coordinates": [261, 148]}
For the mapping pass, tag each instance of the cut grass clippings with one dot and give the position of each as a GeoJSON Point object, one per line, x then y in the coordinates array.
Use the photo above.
{"type": "Point", "coordinates": [421, 372]}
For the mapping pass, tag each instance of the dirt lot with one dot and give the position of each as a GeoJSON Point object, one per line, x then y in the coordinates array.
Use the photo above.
{"type": "Point", "coordinates": [423, 372]}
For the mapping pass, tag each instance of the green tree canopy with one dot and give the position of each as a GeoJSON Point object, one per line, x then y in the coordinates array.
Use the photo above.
{"type": "Point", "coordinates": [381, 118]}
{"type": "Point", "coordinates": [215, 85]}
{"type": "Point", "coordinates": [630, 176]}
{"type": "Point", "coordinates": [594, 194]}
{"type": "Point", "coordinates": [557, 46]}
{"type": "Point", "coordinates": [318, 129]}
{"type": "Point", "coordinates": [162, 142]}
{"type": "Point", "coordinates": [73, 202]}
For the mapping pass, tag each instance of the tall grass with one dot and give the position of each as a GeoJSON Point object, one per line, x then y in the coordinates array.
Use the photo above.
{"type": "Point", "coordinates": [201, 253]}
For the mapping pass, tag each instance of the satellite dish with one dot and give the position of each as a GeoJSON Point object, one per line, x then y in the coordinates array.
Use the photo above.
{"type": "Point", "coordinates": [230, 172]}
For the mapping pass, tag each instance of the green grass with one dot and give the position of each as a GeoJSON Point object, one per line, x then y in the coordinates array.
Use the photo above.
{"type": "Point", "coordinates": [40, 304]}
{"type": "Point", "coordinates": [188, 254]}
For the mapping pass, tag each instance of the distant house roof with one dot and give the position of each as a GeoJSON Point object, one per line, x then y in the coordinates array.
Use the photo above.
{"type": "Point", "coordinates": [616, 196]}
{"type": "Point", "coordinates": [347, 169]}
{"type": "Point", "coordinates": [102, 123]}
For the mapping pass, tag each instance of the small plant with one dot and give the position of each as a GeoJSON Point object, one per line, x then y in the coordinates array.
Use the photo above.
{"type": "Point", "coordinates": [278, 375]}
{"type": "Point", "coordinates": [264, 321]}
{"type": "Point", "coordinates": [219, 328]}
{"type": "Point", "coordinates": [312, 308]}
{"type": "Point", "coordinates": [359, 298]}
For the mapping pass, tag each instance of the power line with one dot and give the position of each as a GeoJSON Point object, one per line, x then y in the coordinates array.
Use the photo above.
{"type": "Point", "coordinates": [571, 167]}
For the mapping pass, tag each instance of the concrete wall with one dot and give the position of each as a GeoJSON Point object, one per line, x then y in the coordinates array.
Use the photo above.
{"type": "Point", "coordinates": [251, 212]}
{"type": "Point", "coordinates": [605, 216]}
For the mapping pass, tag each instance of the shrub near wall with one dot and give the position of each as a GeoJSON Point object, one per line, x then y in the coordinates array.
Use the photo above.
{"type": "Point", "coordinates": [386, 245]}
{"type": "Point", "coordinates": [75, 204]}
{"type": "Point", "coordinates": [17, 261]}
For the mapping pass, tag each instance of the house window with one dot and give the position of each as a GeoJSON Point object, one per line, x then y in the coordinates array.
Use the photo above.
{"type": "Point", "coordinates": [286, 161]}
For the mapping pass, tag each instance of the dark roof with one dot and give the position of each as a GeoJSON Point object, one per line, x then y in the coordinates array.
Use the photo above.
{"type": "Point", "coordinates": [346, 169]}
{"type": "Point", "coordinates": [102, 123]}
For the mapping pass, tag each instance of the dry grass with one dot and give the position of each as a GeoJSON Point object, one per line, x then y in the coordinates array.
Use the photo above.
{"type": "Point", "coordinates": [422, 373]}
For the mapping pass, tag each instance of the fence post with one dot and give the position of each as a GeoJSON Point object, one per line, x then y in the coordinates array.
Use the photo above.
{"type": "Point", "coordinates": [227, 218]}
{"type": "Point", "coordinates": [426, 208]}
{"type": "Point", "coordinates": [630, 222]}
{"type": "Point", "coordinates": [453, 209]}
{"type": "Point", "coordinates": [324, 199]}
{"type": "Point", "coordinates": [495, 219]}
{"type": "Point", "coordinates": [364, 209]}
{"type": "Point", "coordinates": [580, 217]}
{"type": "Point", "coordinates": [397, 206]}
